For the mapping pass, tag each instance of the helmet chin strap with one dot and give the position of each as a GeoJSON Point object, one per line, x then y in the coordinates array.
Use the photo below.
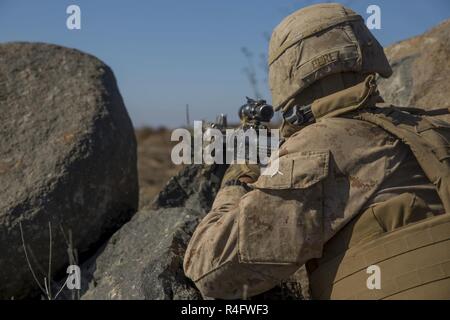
{"type": "Point", "coordinates": [298, 115]}
{"type": "Point", "coordinates": [324, 87]}
{"type": "Point", "coordinates": [298, 111]}
{"type": "Point", "coordinates": [341, 101]}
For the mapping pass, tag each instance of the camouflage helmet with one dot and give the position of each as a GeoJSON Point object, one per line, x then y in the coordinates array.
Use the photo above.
{"type": "Point", "coordinates": [318, 41]}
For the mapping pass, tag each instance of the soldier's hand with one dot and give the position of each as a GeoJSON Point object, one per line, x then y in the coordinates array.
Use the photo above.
{"type": "Point", "coordinates": [247, 173]}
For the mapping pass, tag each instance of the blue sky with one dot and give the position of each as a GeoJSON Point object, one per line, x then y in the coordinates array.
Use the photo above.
{"type": "Point", "coordinates": [167, 53]}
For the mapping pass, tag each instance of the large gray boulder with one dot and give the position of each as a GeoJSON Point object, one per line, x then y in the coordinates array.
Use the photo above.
{"type": "Point", "coordinates": [67, 161]}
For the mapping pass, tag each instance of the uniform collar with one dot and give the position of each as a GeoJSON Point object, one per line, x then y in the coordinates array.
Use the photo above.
{"type": "Point", "coordinates": [364, 94]}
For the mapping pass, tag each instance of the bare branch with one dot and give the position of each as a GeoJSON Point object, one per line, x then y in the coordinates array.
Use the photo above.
{"type": "Point", "coordinates": [49, 276]}
{"type": "Point", "coordinates": [28, 260]}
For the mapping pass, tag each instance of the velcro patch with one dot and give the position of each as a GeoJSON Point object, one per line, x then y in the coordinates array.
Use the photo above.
{"type": "Point", "coordinates": [325, 59]}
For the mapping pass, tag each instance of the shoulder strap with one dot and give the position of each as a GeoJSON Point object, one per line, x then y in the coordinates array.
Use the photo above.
{"type": "Point", "coordinates": [427, 139]}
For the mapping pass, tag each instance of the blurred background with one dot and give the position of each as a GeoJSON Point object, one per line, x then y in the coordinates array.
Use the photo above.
{"type": "Point", "coordinates": [206, 53]}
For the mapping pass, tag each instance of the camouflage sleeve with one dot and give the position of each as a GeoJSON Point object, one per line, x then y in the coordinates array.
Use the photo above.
{"type": "Point", "coordinates": [249, 242]}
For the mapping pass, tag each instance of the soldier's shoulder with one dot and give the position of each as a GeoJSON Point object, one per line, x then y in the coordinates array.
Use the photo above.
{"type": "Point", "coordinates": [331, 127]}
{"type": "Point", "coordinates": [330, 132]}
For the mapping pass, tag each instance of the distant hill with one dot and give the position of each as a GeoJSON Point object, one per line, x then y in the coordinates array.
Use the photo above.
{"type": "Point", "coordinates": [421, 70]}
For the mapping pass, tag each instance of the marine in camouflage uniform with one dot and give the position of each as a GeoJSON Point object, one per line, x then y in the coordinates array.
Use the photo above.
{"type": "Point", "coordinates": [350, 192]}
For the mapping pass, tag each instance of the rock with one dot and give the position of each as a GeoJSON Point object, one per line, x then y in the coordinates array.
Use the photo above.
{"type": "Point", "coordinates": [195, 187]}
{"type": "Point", "coordinates": [67, 159]}
{"type": "Point", "coordinates": [421, 70]}
{"type": "Point", "coordinates": [144, 259]}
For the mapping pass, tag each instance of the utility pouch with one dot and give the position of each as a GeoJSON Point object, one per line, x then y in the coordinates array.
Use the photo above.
{"type": "Point", "coordinates": [281, 222]}
{"type": "Point", "coordinates": [402, 238]}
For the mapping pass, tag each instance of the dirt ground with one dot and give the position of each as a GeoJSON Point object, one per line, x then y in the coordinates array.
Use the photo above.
{"type": "Point", "coordinates": [154, 164]}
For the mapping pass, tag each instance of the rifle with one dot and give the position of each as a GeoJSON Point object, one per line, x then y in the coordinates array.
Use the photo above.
{"type": "Point", "coordinates": [254, 116]}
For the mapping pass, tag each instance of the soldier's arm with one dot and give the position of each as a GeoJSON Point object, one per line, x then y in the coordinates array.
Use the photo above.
{"type": "Point", "coordinates": [249, 242]}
